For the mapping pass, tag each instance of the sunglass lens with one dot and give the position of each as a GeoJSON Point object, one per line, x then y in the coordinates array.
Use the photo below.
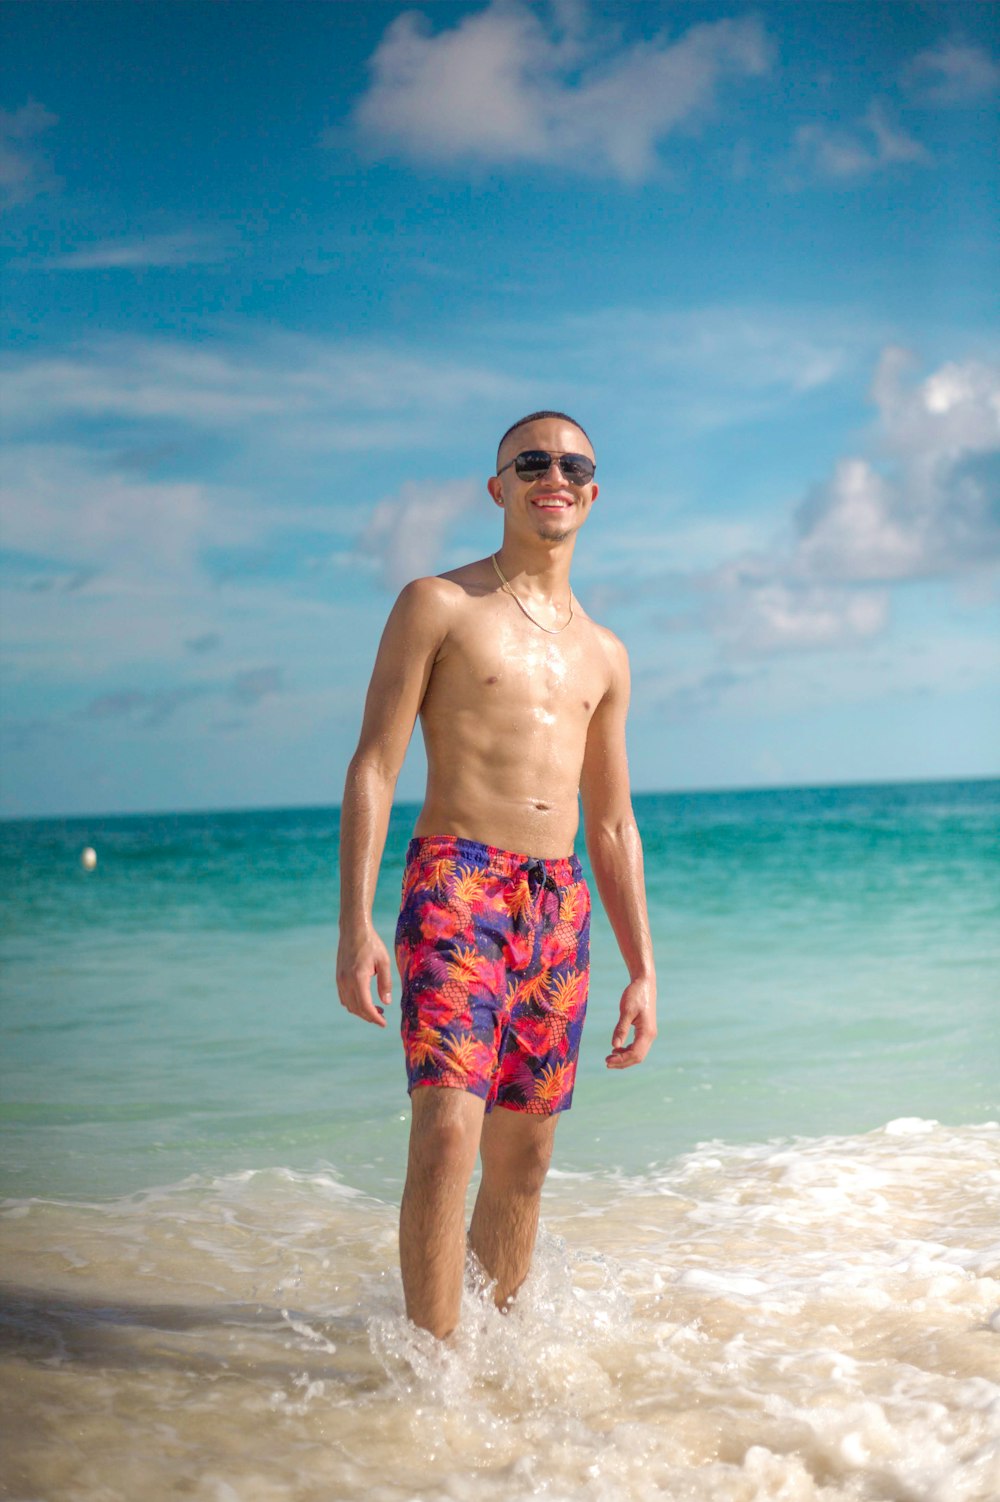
{"type": "Point", "coordinates": [578, 469]}
{"type": "Point", "coordinates": [531, 464]}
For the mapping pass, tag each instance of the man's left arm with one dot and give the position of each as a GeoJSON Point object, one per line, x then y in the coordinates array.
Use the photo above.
{"type": "Point", "coordinates": [615, 851]}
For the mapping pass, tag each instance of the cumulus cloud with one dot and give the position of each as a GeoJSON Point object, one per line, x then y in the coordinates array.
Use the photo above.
{"type": "Point", "coordinates": [24, 168]}
{"type": "Point", "coordinates": [933, 509]}
{"type": "Point", "coordinates": [502, 86]}
{"type": "Point", "coordinates": [754, 608]}
{"type": "Point", "coordinates": [857, 151]}
{"type": "Point", "coordinates": [952, 73]}
{"type": "Point", "coordinates": [924, 503]}
{"type": "Point", "coordinates": [406, 531]}
{"type": "Point", "coordinates": [181, 249]}
{"type": "Point", "coordinates": [848, 528]}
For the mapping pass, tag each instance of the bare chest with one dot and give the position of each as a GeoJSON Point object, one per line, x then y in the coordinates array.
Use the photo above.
{"type": "Point", "coordinates": [499, 665]}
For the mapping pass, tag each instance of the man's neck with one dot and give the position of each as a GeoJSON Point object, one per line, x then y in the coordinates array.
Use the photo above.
{"type": "Point", "coordinates": [543, 566]}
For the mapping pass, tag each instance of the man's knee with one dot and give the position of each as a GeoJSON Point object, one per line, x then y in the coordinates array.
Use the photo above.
{"type": "Point", "coordinates": [528, 1176]}
{"type": "Point", "coordinates": [517, 1161]}
{"type": "Point", "coordinates": [444, 1132]}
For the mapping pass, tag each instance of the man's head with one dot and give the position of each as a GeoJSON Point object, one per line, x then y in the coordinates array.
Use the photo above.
{"type": "Point", "coordinates": [531, 483]}
{"type": "Point", "coordinates": [523, 422]}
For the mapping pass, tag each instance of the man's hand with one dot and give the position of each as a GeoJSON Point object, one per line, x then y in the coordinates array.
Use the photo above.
{"type": "Point", "coordinates": [358, 959]}
{"type": "Point", "coordinates": [638, 1011]}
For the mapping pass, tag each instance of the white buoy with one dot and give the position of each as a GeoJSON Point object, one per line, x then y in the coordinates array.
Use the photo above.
{"type": "Point", "coordinates": [88, 859]}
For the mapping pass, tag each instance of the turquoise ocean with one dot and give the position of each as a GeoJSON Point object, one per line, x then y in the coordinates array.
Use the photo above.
{"type": "Point", "coordinates": [769, 1265]}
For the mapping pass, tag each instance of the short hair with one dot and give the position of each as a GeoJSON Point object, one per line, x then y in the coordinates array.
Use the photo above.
{"type": "Point", "coordinates": [536, 417]}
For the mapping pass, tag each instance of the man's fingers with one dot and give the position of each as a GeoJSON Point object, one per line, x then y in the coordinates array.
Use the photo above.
{"type": "Point", "coordinates": [366, 1009]}
{"type": "Point", "coordinates": [624, 1058]}
{"type": "Point", "coordinates": [356, 998]}
{"type": "Point", "coordinates": [624, 1054]}
{"type": "Point", "coordinates": [383, 978]}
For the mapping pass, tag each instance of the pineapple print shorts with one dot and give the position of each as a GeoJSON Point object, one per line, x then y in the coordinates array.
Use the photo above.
{"type": "Point", "coordinates": [493, 951]}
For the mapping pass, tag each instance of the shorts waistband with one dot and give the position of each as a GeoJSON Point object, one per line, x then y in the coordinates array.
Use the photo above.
{"type": "Point", "coordinates": [561, 868]}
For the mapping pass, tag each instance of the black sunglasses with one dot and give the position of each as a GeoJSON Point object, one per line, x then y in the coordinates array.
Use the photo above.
{"type": "Point", "coordinates": [533, 463]}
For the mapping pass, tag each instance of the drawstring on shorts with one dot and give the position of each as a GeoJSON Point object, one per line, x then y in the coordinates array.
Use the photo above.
{"type": "Point", "coordinates": [540, 880]}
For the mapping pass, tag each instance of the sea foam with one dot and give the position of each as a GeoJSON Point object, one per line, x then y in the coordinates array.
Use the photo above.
{"type": "Point", "coordinates": [813, 1320]}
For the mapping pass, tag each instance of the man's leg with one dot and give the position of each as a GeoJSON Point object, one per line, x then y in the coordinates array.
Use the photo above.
{"type": "Point", "coordinates": [516, 1149]}
{"type": "Point", "coordinates": [444, 1139]}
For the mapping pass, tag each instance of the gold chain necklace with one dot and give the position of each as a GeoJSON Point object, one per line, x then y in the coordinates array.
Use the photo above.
{"type": "Point", "coordinates": [505, 583]}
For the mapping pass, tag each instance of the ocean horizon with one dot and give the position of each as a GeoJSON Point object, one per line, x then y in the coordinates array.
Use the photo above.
{"type": "Point", "coordinates": [768, 1265]}
{"type": "Point", "coordinates": [694, 791]}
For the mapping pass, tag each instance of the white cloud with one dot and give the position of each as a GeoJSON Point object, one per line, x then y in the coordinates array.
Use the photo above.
{"type": "Point", "coordinates": [24, 170]}
{"type": "Point", "coordinates": [501, 87]}
{"type": "Point", "coordinates": [714, 365]}
{"type": "Point", "coordinates": [407, 531]}
{"type": "Point", "coordinates": [774, 614]}
{"type": "Point", "coordinates": [857, 151]}
{"type": "Point", "coordinates": [924, 504]}
{"type": "Point", "coordinates": [849, 530]}
{"type": "Point", "coordinates": [956, 410]}
{"type": "Point", "coordinates": [952, 73]}
{"type": "Point", "coordinates": [926, 662]}
{"type": "Point", "coordinates": [335, 394]}
{"type": "Point", "coordinates": [253, 684]}
{"type": "Point", "coordinates": [115, 556]}
{"type": "Point", "coordinates": [934, 508]}
{"type": "Point", "coordinates": [151, 708]}
{"type": "Point", "coordinates": [60, 503]}
{"type": "Point", "coordinates": [179, 249]}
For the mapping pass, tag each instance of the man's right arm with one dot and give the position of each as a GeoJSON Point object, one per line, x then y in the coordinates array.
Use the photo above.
{"type": "Point", "coordinates": [413, 635]}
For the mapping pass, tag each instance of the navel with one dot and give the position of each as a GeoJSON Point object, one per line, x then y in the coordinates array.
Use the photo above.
{"type": "Point", "coordinates": [492, 678]}
{"type": "Point", "coordinates": [543, 808]}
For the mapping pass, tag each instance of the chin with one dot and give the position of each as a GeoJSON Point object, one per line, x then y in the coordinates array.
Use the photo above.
{"type": "Point", "coordinates": [553, 532]}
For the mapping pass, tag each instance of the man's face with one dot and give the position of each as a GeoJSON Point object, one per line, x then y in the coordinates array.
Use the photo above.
{"type": "Point", "coordinates": [550, 506]}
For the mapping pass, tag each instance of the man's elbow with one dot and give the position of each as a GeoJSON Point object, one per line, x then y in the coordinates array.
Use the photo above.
{"type": "Point", "coordinates": [369, 768]}
{"type": "Point", "coordinates": [611, 831]}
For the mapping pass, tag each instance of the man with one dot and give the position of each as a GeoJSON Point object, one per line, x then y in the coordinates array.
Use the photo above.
{"type": "Point", "coordinates": [522, 700]}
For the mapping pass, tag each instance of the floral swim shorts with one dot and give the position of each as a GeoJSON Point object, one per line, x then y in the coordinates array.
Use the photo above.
{"type": "Point", "coordinates": [494, 955]}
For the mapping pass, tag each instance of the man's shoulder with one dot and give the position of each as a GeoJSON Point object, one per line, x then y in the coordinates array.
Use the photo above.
{"type": "Point", "coordinates": [470, 579]}
{"type": "Point", "coordinates": [436, 600]}
{"type": "Point", "coordinates": [448, 590]}
{"type": "Point", "coordinates": [430, 592]}
{"type": "Point", "coordinates": [609, 644]}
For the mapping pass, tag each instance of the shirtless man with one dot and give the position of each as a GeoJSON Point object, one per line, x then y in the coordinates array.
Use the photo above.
{"type": "Point", "coordinates": [522, 700]}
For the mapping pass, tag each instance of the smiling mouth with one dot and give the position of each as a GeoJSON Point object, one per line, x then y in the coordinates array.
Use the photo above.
{"type": "Point", "coordinates": [551, 502]}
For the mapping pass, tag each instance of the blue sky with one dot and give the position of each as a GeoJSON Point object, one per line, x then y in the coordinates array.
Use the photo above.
{"type": "Point", "coordinates": [276, 276]}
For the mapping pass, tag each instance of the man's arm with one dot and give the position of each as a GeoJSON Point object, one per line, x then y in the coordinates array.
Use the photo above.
{"type": "Point", "coordinates": [413, 634]}
{"type": "Point", "coordinates": [615, 851]}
